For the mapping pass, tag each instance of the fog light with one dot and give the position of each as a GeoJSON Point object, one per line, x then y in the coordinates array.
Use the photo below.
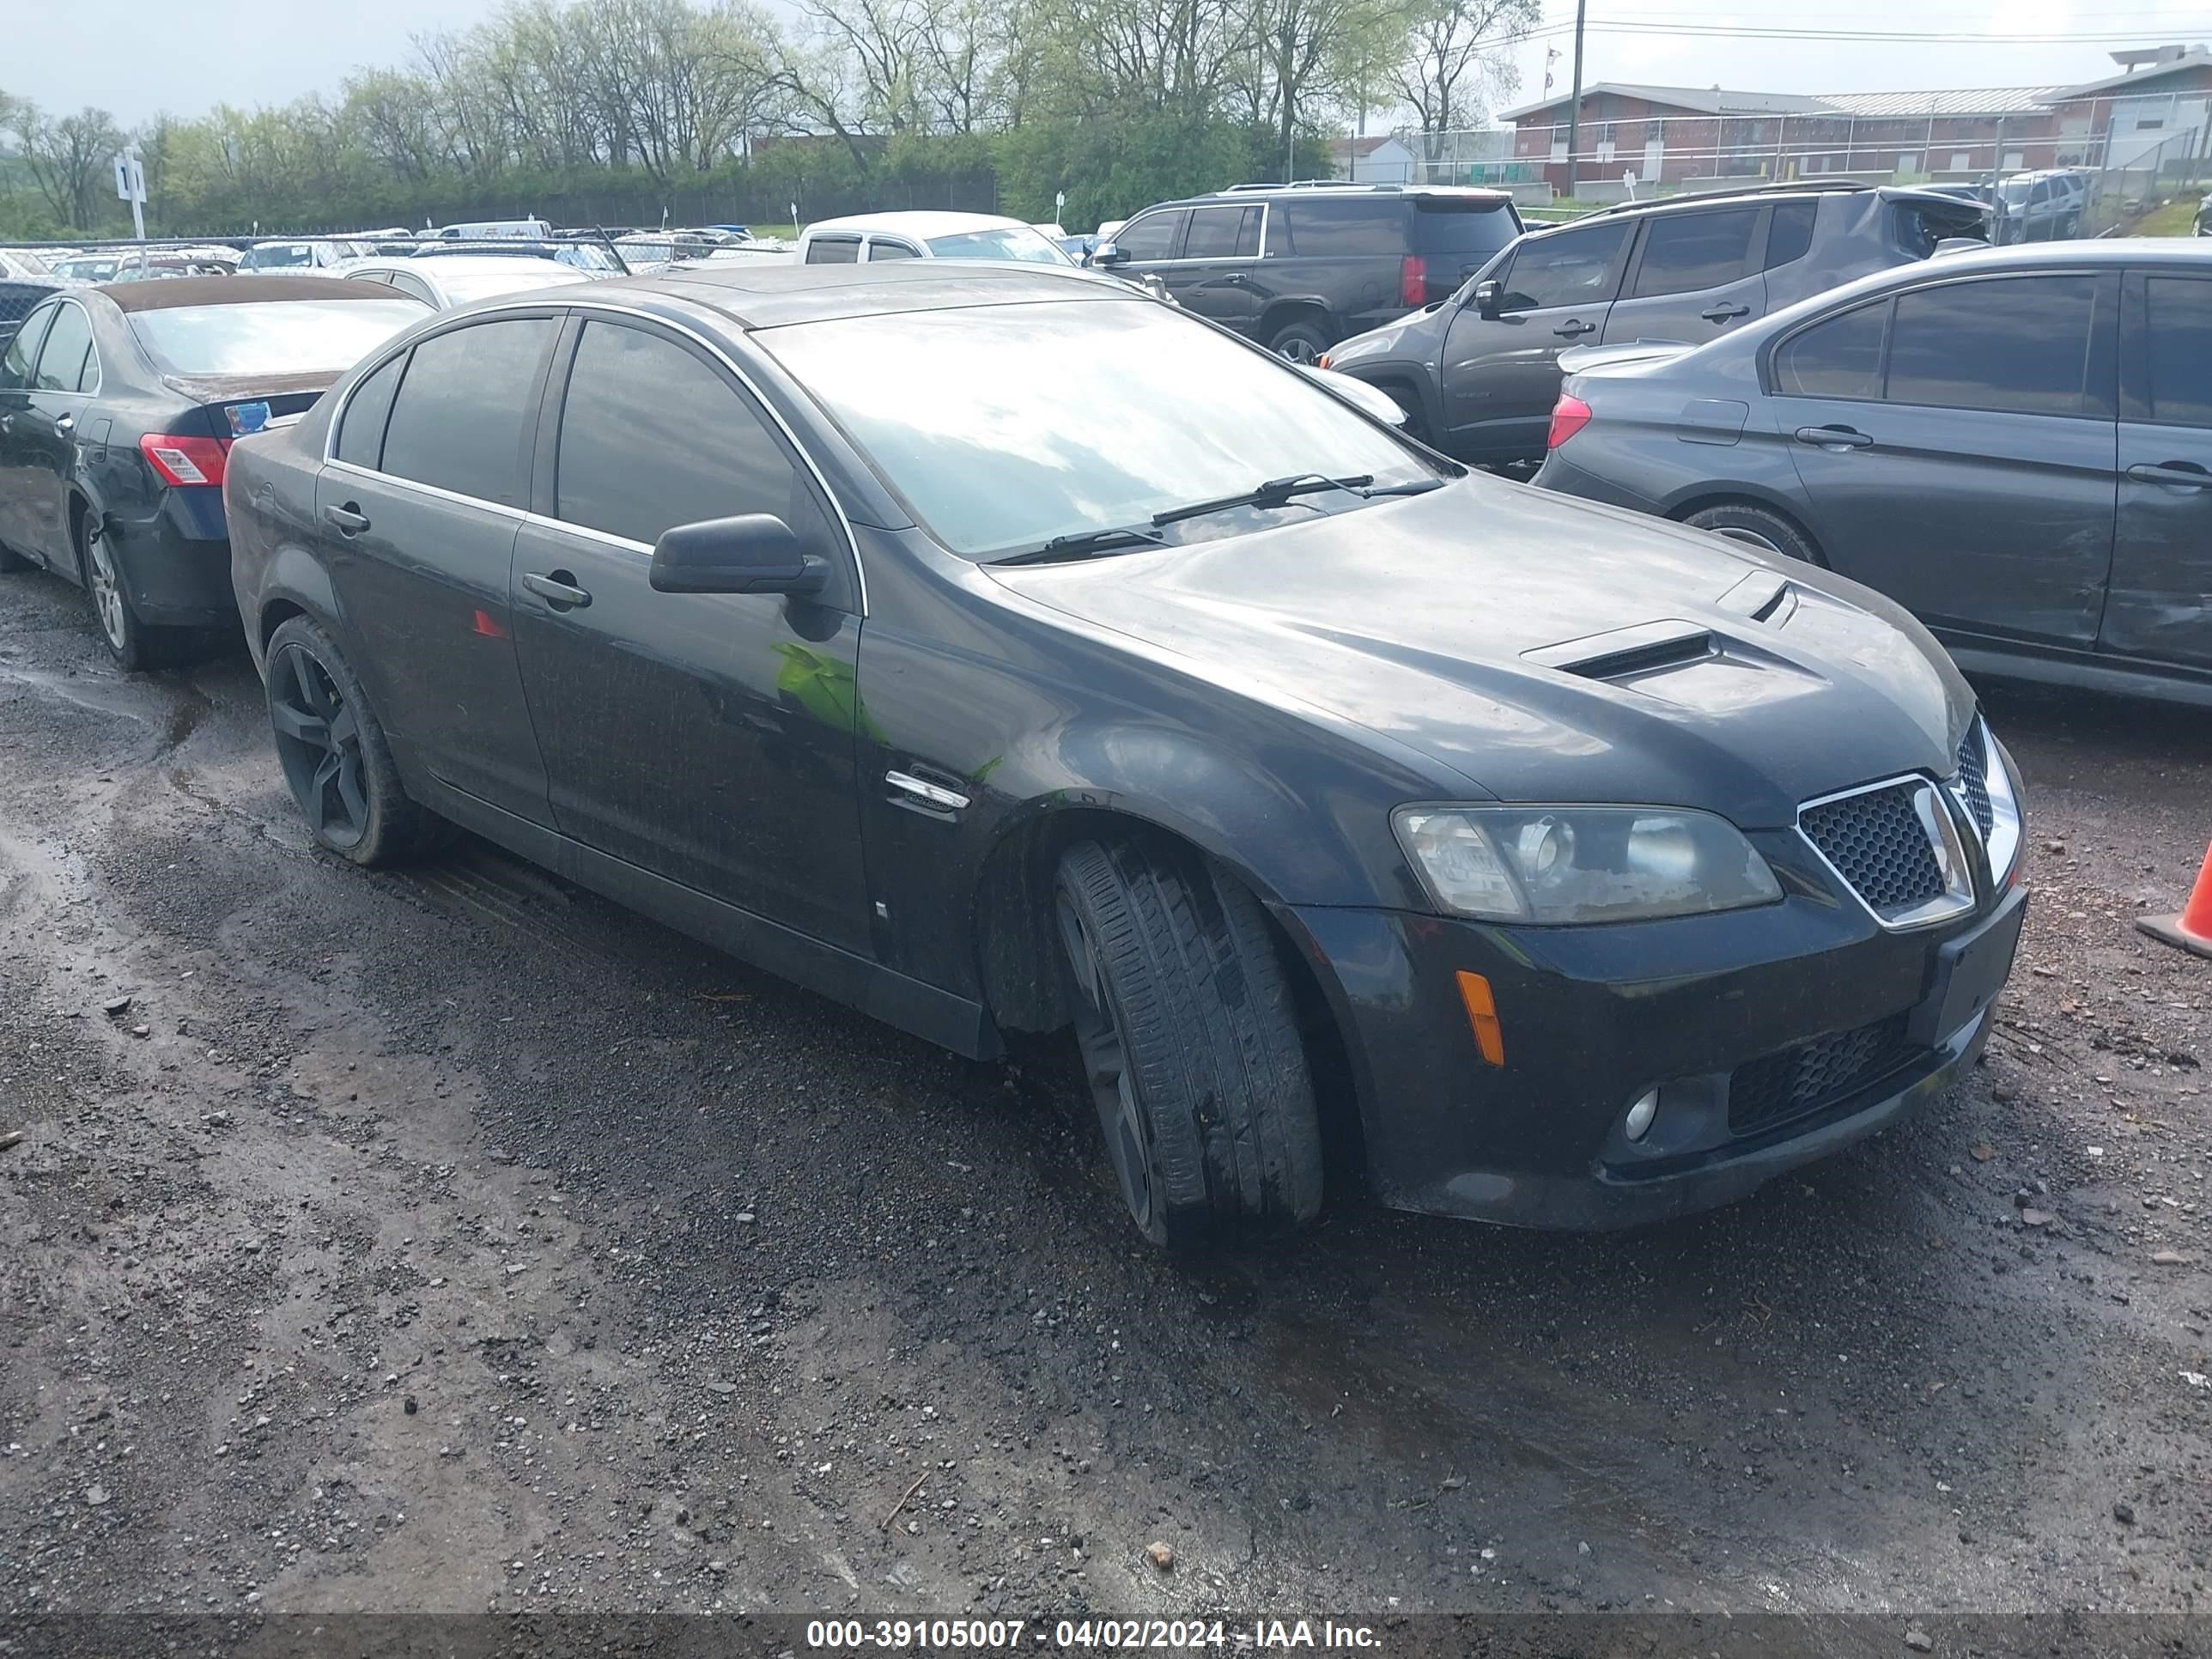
{"type": "Point", "coordinates": [1641, 1114]}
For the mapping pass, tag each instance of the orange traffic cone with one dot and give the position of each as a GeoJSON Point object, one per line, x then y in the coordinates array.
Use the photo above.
{"type": "Point", "coordinates": [2192, 929]}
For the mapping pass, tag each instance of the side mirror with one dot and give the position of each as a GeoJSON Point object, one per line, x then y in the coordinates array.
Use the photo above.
{"type": "Point", "coordinates": [1109, 254]}
{"type": "Point", "coordinates": [755, 553]}
{"type": "Point", "coordinates": [1489, 297]}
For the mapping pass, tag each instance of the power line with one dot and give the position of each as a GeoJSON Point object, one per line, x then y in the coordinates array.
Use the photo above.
{"type": "Point", "coordinates": [1711, 31]}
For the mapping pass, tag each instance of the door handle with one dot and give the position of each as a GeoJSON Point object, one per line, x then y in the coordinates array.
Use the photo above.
{"type": "Point", "coordinates": [1836, 438]}
{"type": "Point", "coordinates": [349, 520]}
{"type": "Point", "coordinates": [7, 423]}
{"type": "Point", "coordinates": [2185, 475]}
{"type": "Point", "coordinates": [558, 590]}
{"type": "Point", "coordinates": [1726, 313]}
{"type": "Point", "coordinates": [1573, 326]}
{"type": "Point", "coordinates": [65, 424]}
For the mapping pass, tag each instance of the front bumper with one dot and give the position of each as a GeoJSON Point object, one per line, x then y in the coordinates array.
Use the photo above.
{"type": "Point", "coordinates": [1776, 1036]}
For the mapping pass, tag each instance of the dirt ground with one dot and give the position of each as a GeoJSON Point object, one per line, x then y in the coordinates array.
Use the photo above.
{"type": "Point", "coordinates": [453, 1240]}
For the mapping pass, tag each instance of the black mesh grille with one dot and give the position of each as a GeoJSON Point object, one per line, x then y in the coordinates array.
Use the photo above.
{"type": "Point", "coordinates": [1877, 842]}
{"type": "Point", "coordinates": [1814, 1075]}
{"type": "Point", "coordinates": [1974, 777]}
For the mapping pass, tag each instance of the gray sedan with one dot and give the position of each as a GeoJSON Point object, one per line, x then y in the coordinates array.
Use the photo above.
{"type": "Point", "coordinates": [2016, 444]}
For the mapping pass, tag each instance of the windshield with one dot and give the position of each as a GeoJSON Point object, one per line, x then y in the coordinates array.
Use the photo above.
{"type": "Point", "coordinates": [527, 273]}
{"type": "Point", "coordinates": [87, 270]}
{"type": "Point", "coordinates": [2016, 190]}
{"type": "Point", "coordinates": [967, 413]}
{"type": "Point", "coordinates": [277, 337]}
{"type": "Point", "coordinates": [1014, 242]}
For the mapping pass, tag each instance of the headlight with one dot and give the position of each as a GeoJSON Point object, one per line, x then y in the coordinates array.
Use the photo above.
{"type": "Point", "coordinates": [1572, 864]}
{"type": "Point", "coordinates": [2004, 839]}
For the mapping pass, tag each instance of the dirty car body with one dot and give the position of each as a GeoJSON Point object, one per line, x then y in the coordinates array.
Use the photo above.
{"type": "Point", "coordinates": [864, 783]}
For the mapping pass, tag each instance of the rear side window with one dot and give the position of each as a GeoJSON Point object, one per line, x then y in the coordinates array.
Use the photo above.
{"type": "Point", "coordinates": [69, 344]}
{"type": "Point", "coordinates": [834, 251]}
{"type": "Point", "coordinates": [2179, 314]}
{"type": "Point", "coordinates": [1920, 225]}
{"type": "Point", "coordinates": [1223, 233]}
{"type": "Point", "coordinates": [1466, 231]}
{"type": "Point", "coordinates": [459, 418]}
{"type": "Point", "coordinates": [1789, 232]}
{"type": "Point", "coordinates": [879, 252]}
{"type": "Point", "coordinates": [361, 435]}
{"type": "Point", "coordinates": [1574, 267]}
{"type": "Point", "coordinates": [1151, 235]}
{"type": "Point", "coordinates": [2018, 345]}
{"type": "Point", "coordinates": [1686, 251]}
{"type": "Point", "coordinates": [1839, 358]}
{"type": "Point", "coordinates": [651, 437]}
{"type": "Point", "coordinates": [1354, 225]}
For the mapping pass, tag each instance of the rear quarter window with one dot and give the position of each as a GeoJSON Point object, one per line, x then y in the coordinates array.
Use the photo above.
{"type": "Point", "coordinates": [1919, 226]}
{"type": "Point", "coordinates": [1357, 225]}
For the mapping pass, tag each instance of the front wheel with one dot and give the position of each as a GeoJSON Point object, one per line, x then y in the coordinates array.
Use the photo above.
{"type": "Point", "coordinates": [1189, 1042]}
{"type": "Point", "coordinates": [332, 749]}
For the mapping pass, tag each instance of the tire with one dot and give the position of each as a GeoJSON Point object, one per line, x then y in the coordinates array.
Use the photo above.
{"type": "Point", "coordinates": [331, 748]}
{"type": "Point", "coordinates": [1740, 521]}
{"type": "Point", "coordinates": [1417, 422]}
{"type": "Point", "coordinates": [11, 561]}
{"type": "Point", "coordinates": [135, 645]}
{"type": "Point", "coordinates": [1189, 1041]}
{"type": "Point", "coordinates": [1300, 342]}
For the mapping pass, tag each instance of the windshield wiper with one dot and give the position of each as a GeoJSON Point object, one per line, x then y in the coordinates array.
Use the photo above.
{"type": "Point", "coordinates": [1274, 493]}
{"type": "Point", "coordinates": [1411, 487]}
{"type": "Point", "coordinates": [1087, 543]}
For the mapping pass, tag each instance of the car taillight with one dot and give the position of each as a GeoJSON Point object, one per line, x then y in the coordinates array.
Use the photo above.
{"type": "Point", "coordinates": [186, 461]}
{"type": "Point", "coordinates": [1569, 416]}
{"type": "Point", "coordinates": [1414, 280]}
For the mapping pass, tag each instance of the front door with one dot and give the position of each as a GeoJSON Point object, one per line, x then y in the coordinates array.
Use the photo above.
{"type": "Point", "coordinates": [706, 738]}
{"type": "Point", "coordinates": [45, 436]}
{"type": "Point", "coordinates": [1974, 480]}
{"type": "Point", "coordinates": [2160, 606]}
{"type": "Point", "coordinates": [1500, 375]}
{"type": "Point", "coordinates": [416, 515]}
{"type": "Point", "coordinates": [1696, 275]}
{"type": "Point", "coordinates": [1213, 277]}
{"type": "Point", "coordinates": [15, 365]}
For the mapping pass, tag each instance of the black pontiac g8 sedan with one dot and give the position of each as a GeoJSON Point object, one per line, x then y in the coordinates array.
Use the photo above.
{"type": "Point", "coordinates": [1596, 869]}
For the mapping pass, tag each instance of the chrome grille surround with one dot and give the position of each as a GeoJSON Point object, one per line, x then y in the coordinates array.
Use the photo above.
{"type": "Point", "coordinates": [1866, 838]}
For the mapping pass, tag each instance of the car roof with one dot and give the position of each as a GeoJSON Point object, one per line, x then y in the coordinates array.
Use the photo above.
{"type": "Point", "coordinates": [763, 296]}
{"type": "Point", "coordinates": [458, 264]}
{"type": "Point", "coordinates": [233, 291]}
{"type": "Point", "coordinates": [918, 222]}
{"type": "Point", "coordinates": [1339, 191]}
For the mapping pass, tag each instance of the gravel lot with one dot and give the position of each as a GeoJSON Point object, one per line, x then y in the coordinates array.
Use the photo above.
{"type": "Point", "coordinates": [454, 1241]}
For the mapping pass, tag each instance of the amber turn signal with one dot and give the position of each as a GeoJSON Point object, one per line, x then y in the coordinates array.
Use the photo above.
{"type": "Point", "coordinates": [1482, 1014]}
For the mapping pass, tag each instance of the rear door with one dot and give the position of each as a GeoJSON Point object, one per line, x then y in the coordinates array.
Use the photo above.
{"type": "Point", "coordinates": [1213, 276]}
{"type": "Point", "coordinates": [45, 434]}
{"type": "Point", "coordinates": [1500, 375]}
{"type": "Point", "coordinates": [15, 365]}
{"type": "Point", "coordinates": [1346, 250]}
{"type": "Point", "coordinates": [706, 737]}
{"type": "Point", "coordinates": [2160, 603]}
{"type": "Point", "coordinates": [1696, 275]}
{"type": "Point", "coordinates": [1972, 477]}
{"type": "Point", "coordinates": [417, 511]}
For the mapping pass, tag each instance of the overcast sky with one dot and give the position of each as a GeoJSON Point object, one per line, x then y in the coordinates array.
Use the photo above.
{"type": "Point", "coordinates": [142, 56]}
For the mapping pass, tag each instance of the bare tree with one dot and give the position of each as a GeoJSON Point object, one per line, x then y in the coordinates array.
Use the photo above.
{"type": "Point", "coordinates": [1454, 55]}
{"type": "Point", "coordinates": [69, 159]}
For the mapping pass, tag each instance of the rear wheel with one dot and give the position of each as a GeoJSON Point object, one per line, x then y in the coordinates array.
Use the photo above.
{"type": "Point", "coordinates": [1300, 342]}
{"type": "Point", "coordinates": [333, 752]}
{"type": "Point", "coordinates": [11, 561]}
{"type": "Point", "coordinates": [133, 644]}
{"type": "Point", "coordinates": [1740, 521]}
{"type": "Point", "coordinates": [1190, 1042]}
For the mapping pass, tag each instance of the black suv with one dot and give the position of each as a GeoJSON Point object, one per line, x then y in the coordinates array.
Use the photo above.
{"type": "Point", "coordinates": [1298, 267]}
{"type": "Point", "coordinates": [1478, 373]}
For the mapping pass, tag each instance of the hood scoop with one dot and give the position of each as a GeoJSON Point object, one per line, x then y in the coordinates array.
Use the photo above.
{"type": "Point", "coordinates": [1626, 653]}
{"type": "Point", "coordinates": [1764, 596]}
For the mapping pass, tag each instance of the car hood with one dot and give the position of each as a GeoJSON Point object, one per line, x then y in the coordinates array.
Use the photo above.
{"type": "Point", "coordinates": [1531, 648]}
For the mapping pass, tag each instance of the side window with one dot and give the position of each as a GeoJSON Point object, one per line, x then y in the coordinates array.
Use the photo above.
{"type": "Point", "coordinates": [24, 350]}
{"type": "Point", "coordinates": [652, 437]}
{"type": "Point", "coordinates": [1222, 233]}
{"type": "Point", "coordinates": [2179, 318]}
{"type": "Point", "coordinates": [1574, 267]}
{"type": "Point", "coordinates": [361, 436]}
{"type": "Point", "coordinates": [1151, 235]}
{"type": "Point", "coordinates": [1789, 232]}
{"type": "Point", "coordinates": [68, 343]}
{"type": "Point", "coordinates": [834, 251]}
{"type": "Point", "coordinates": [413, 287]}
{"type": "Point", "coordinates": [1361, 224]}
{"type": "Point", "coordinates": [1839, 358]}
{"type": "Point", "coordinates": [1686, 251]}
{"type": "Point", "coordinates": [2018, 345]}
{"type": "Point", "coordinates": [381, 278]}
{"type": "Point", "coordinates": [879, 250]}
{"type": "Point", "coordinates": [463, 406]}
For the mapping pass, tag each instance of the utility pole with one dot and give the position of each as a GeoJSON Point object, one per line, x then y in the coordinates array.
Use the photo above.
{"type": "Point", "coordinates": [1575, 107]}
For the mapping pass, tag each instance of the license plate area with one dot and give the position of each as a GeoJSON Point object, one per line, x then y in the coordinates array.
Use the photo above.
{"type": "Point", "coordinates": [1970, 971]}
